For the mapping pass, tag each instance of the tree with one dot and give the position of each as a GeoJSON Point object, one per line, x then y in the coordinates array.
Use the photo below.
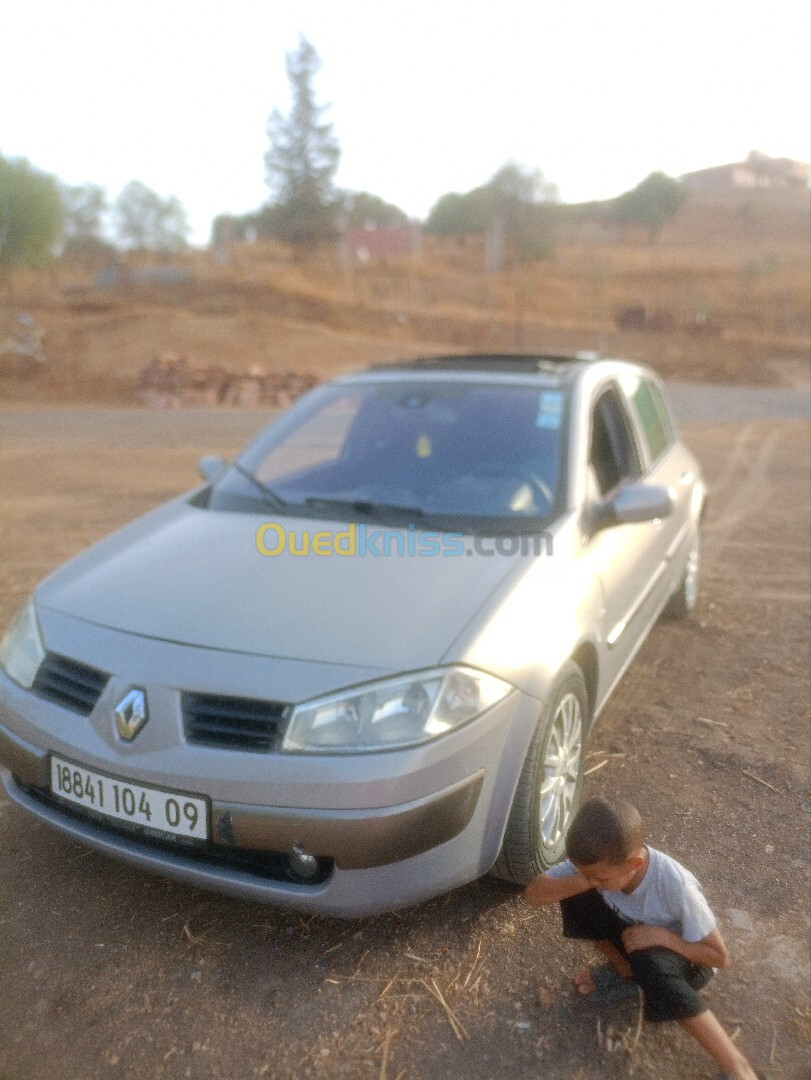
{"type": "Point", "coordinates": [360, 208]}
{"type": "Point", "coordinates": [302, 159]}
{"type": "Point", "coordinates": [516, 184]}
{"type": "Point", "coordinates": [30, 215]}
{"type": "Point", "coordinates": [85, 207]}
{"type": "Point", "coordinates": [455, 214]}
{"type": "Point", "coordinates": [147, 222]}
{"type": "Point", "coordinates": [651, 204]}
{"type": "Point", "coordinates": [520, 199]}
{"type": "Point", "coordinates": [512, 205]}
{"type": "Point", "coordinates": [227, 229]}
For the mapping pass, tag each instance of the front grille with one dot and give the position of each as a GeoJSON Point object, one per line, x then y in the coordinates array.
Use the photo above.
{"type": "Point", "coordinates": [68, 683]}
{"type": "Point", "coordinates": [232, 723]}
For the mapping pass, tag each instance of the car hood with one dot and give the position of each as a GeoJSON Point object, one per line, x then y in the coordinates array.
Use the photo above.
{"type": "Point", "coordinates": [196, 577]}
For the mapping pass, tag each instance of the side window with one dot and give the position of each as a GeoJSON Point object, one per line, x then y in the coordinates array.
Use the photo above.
{"type": "Point", "coordinates": [654, 417]}
{"type": "Point", "coordinates": [613, 456]}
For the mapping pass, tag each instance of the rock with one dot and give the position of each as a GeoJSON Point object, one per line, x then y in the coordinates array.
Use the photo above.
{"type": "Point", "coordinates": [740, 920]}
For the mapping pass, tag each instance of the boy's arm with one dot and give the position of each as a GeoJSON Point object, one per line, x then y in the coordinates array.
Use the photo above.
{"type": "Point", "coordinates": [545, 889]}
{"type": "Point", "coordinates": [709, 952]}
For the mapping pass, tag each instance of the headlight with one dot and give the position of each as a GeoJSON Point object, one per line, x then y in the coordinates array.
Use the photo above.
{"type": "Point", "coordinates": [21, 650]}
{"type": "Point", "coordinates": [399, 712]}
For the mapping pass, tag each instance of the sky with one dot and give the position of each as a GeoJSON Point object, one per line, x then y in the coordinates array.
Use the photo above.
{"type": "Point", "coordinates": [425, 97]}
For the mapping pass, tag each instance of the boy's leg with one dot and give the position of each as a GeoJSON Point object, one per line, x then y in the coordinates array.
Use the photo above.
{"type": "Point", "coordinates": [588, 917]}
{"type": "Point", "coordinates": [670, 984]}
{"type": "Point", "coordinates": [707, 1030]}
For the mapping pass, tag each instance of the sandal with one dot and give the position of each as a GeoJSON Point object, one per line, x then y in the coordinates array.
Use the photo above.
{"type": "Point", "coordinates": [609, 986]}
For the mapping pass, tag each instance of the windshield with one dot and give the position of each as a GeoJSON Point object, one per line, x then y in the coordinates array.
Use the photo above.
{"type": "Point", "coordinates": [444, 451]}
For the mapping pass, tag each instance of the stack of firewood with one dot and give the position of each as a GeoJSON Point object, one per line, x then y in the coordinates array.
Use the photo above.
{"type": "Point", "coordinates": [170, 381]}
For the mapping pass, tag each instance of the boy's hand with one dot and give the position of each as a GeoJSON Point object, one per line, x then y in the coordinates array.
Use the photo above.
{"type": "Point", "coordinates": [647, 937]}
{"type": "Point", "coordinates": [710, 951]}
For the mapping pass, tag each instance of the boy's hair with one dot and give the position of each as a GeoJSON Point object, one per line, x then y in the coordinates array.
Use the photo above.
{"type": "Point", "coordinates": [603, 831]}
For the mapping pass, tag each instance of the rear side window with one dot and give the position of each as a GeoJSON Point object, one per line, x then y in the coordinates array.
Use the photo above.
{"type": "Point", "coordinates": [654, 417]}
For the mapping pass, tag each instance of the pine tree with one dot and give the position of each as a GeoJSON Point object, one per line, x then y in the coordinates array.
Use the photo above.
{"type": "Point", "coordinates": [302, 159]}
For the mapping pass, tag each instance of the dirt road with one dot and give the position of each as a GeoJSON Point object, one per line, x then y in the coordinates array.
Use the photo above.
{"type": "Point", "coordinates": [108, 972]}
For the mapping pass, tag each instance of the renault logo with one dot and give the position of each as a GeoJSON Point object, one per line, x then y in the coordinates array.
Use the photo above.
{"type": "Point", "coordinates": [130, 714]}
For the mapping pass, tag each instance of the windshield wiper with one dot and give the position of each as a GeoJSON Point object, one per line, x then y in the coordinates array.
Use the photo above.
{"type": "Point", "coordinates": [276, 501]}
{"type": "Point", "coordinates": [365, 506]}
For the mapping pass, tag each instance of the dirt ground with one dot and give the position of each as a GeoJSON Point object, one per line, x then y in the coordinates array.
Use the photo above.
{"type": "Point", "coordinates": [109, 972]}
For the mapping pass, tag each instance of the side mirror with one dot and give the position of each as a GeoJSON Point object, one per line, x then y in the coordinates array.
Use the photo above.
{"type": "Point", "coordinates": [210, 467]}
{"type": "Point", "coordinates": [631, 505]}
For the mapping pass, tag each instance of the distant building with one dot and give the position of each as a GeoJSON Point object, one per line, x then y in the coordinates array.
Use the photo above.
{"type": "Point", "coordinates": [379, 243]}
{"type": "Point", "coordinates": [758, 171]}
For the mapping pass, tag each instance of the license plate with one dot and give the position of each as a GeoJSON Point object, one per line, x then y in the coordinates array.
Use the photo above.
{"type": "Point", "coordinates": [153, 808]}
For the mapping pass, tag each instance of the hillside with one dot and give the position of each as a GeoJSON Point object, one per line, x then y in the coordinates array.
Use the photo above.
{"type": "Point", "coordinates": [722, 296]}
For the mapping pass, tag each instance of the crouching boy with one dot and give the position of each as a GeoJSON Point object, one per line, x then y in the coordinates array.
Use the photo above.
{"type": "Point", "coordinates": [648, 917]}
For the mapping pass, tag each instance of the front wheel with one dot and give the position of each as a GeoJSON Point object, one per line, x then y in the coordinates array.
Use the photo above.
{"type": "Point", "coordinates": [548, 791]}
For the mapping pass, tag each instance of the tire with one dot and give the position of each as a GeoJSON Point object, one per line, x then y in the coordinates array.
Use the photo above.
{"type": "Point", "coordinates": [683, 601]}
{"type": "Point", "coordinates": [548, 791]}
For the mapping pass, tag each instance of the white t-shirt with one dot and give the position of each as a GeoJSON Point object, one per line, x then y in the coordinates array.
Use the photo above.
{"type": "Point", "coordinates": [668, 895]}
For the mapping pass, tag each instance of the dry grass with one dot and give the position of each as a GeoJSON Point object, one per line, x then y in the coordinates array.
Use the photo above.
{"type": "Point", "coordinates": [726, 287]}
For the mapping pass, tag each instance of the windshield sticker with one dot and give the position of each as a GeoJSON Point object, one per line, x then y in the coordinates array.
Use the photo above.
{"type": "Point", "coordinates": [550, 410]}
{"type": "Point", "coordinates": [424, 446]}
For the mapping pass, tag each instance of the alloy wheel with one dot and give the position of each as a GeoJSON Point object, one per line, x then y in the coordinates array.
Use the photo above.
{"type": "Point", "coordinates": [561, 770]}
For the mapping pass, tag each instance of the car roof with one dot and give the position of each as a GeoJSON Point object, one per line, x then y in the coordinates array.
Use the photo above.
{"type": "Point", "coordinates": [541, 368]}
{"type": "Point", "coordinates": [513, 363]}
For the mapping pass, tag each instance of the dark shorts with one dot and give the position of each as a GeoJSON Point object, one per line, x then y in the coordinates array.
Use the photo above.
{"type": "Point", "coordinates": [670, 984]}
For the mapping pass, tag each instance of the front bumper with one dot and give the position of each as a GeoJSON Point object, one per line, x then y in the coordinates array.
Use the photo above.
{"type": "Point", "coordinates": [352, 839]}
{"type": "Point", "coordinates": [379, 849]}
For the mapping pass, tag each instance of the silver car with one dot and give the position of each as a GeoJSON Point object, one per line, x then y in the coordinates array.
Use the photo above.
{"type": "Point", "coordinates": [357, 667]}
